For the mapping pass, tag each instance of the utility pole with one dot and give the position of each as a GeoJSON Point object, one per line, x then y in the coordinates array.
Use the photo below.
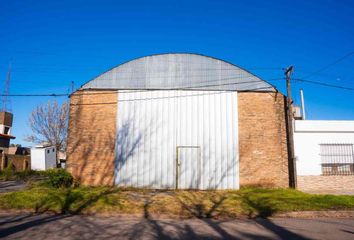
{"type": "Point", "coordinates": [290, 115]}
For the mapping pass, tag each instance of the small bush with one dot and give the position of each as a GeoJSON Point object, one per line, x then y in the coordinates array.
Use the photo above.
{"type": "Point", "coordinates": [59, 178]}
{"type": "Point", "coordinates": [7, 173]}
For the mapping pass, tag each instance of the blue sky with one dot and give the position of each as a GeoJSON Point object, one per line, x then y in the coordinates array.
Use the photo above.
{"type": "Point", "coordinates": [52, 43]}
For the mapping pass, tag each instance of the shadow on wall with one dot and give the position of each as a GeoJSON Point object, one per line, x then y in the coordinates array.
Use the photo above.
{"type": "Point", "coordinates": [132, 170]}
{"type": "Point", "coordinates": [129, 140]}
{"type": "Point", "coordinates": [125, 149]}
{"type": "Point", "coordinates": [91, 139]}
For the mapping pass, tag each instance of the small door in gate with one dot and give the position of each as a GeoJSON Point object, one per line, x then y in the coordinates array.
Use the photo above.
{"type": "Point", "coordinates": [188, 167]}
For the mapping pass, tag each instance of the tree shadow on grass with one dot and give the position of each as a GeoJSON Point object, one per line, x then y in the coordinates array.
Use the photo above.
{"type": "Point", "coordinates": [194, 205]}
{"type": "Point", "coordinates": [71, 201]}
{"type": "Point", "coordinates": [261, 209]}
{"type": "Point", "coordinates": [257, 207]}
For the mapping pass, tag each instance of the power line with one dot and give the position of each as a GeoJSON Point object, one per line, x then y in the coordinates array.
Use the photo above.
{"type": "Point", "coordinates": [38, 95]}
{"type": "Point", "coordinates": [132, 90]}
{"type": "Point", "coordinates": [167, 97]}
{"type": "Point", "coordinates": [330, 64]}
{"type": "Point", "coordinates": [323, 84]}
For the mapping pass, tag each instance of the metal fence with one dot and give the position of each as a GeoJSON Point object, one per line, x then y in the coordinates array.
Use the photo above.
{"type": "Point", "coordinates": [337, 159]}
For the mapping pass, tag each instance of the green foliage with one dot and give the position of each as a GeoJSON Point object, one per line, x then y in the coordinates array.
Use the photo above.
{"type": "Point", "coordinates": [10, 174]}
{"type": "Point", "coordinates": [59, 178]}
{"type": "Point", "coordinates": [7, 173]}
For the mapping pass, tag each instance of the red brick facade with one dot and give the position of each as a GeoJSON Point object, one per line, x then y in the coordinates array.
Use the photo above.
{"type": "Point", "coordinates": [326, 184]}
{"type": "Point", "coordinates": [91, 137]}
{"type": "Point", "coordinates": [262, 139]}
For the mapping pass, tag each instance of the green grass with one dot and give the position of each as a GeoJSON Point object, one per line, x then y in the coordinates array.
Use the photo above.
{"type": "Point", "coordinates": [10, 174]}
{"type": "Point", "coordinates": [265, 202]}
{"type": "Point", "coordinates": [247, 201]}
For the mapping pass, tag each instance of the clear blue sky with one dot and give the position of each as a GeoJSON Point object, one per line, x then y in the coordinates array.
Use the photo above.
{"type": "Point", "coordinates": [52, 43]}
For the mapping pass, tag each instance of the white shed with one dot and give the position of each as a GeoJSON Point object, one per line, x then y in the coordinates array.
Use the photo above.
{"type": "Point", "coordinates": [43, 157]}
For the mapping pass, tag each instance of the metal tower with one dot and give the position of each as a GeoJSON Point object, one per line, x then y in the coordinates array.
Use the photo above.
{"type": "Point", "coordinates": [6, 101]}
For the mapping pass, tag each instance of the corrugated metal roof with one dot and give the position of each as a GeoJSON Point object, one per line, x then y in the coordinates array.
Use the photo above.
{"type": "Point", "coordinates": [178, 71]}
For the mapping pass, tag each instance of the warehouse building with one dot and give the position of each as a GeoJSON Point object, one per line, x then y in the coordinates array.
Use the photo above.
{"type": "Point", "coordinates": [182, 121]}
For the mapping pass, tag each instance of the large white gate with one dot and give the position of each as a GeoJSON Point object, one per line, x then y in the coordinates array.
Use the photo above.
{"type": "Point", "coordinates": [184, 139]}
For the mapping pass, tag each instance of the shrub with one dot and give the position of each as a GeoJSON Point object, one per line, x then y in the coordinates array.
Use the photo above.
{"type": "Point", "coordinates": [59, 178]}
{"type": "Point", "coordinates": [8, 172]}
{"type": "Point", "coordinates": [28, 174]}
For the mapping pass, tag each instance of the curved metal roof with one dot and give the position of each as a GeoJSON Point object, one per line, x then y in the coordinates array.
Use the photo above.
{"type": "Point", "coordinates": [178, 71]}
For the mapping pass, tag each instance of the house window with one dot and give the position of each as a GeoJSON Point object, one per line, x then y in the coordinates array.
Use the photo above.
{"type": "Point", "coordinates": [337, 159]}
{"type": "Point", "coordinates": [6, 130]}
{"type": "Point", "coordinates": [48, 151]}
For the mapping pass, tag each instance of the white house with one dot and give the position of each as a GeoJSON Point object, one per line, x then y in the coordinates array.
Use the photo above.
{"type": "Point", "coordinates": [43, 157]}
{"type": "Point", "coordinates": [324, 152]}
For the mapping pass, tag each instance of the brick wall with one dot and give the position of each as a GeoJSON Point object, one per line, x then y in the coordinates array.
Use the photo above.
{"type": "Point", "coordinates": [91, 136]}
{"type": "Point", "coordinates": [326, 184]}
{"type": "Point", "coordinates": [18, 162]}
{"type": "Point", "coordinates": [6, 118]}
{"type": "Point", "coordinates": [262, 139]}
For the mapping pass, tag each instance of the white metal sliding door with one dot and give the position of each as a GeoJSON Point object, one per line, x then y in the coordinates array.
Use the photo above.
{"type": "Point", "coordinates": [153, 127]}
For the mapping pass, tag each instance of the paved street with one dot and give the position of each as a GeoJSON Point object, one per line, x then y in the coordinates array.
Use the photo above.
{"type": "Point", "coordinates": [46, 226]}
{"type": "Point", "coordinates": [10, 186]}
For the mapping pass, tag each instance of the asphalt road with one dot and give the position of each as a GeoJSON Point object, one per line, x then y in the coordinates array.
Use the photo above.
{"type": "Point", "coordinates": [46, 226]}
{"type": "Point", "coordinates": [10, 186]}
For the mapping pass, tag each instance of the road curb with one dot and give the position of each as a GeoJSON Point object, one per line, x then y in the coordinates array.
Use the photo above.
{"type": "Point", "coordinates": [317, 214]}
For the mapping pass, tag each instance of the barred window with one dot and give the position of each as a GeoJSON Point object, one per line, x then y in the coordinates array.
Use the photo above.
{"type": "Point", "coordinates": [337, 159]}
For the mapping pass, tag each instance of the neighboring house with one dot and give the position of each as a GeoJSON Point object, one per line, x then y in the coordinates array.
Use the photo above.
{"type": "Point", "coordinates": [19, 158]}
{"type": "Point", "coordinates": [182, 121]}
{"type": "Point", "coordinates": [19, 151]}
{"type": "Point", "coordinates": [43, 157]}
{"type": "Point", "coordinates": [324, 152]}
{"type": "Point", "coordinates": [6, 119]}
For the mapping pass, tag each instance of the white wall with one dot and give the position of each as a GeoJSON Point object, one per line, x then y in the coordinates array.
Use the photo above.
{"type": "Point", "coordinates": [41, 159]}
{"type": "Point", "coordinates": [309, 134]}
{"type": "Point", "coordinates": [37, 159]}
{"type": "Point", "coordinates": [150, 126]}
{"type": "Point", "coordinates": [50, 158]}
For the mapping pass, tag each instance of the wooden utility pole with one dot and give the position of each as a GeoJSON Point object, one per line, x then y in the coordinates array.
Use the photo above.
{"type": "Point", "coordinates": [290, 115]}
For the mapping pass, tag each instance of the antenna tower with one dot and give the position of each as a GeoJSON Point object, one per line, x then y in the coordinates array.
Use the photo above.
{"type": "Point", "coordinates": [6, 102]}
